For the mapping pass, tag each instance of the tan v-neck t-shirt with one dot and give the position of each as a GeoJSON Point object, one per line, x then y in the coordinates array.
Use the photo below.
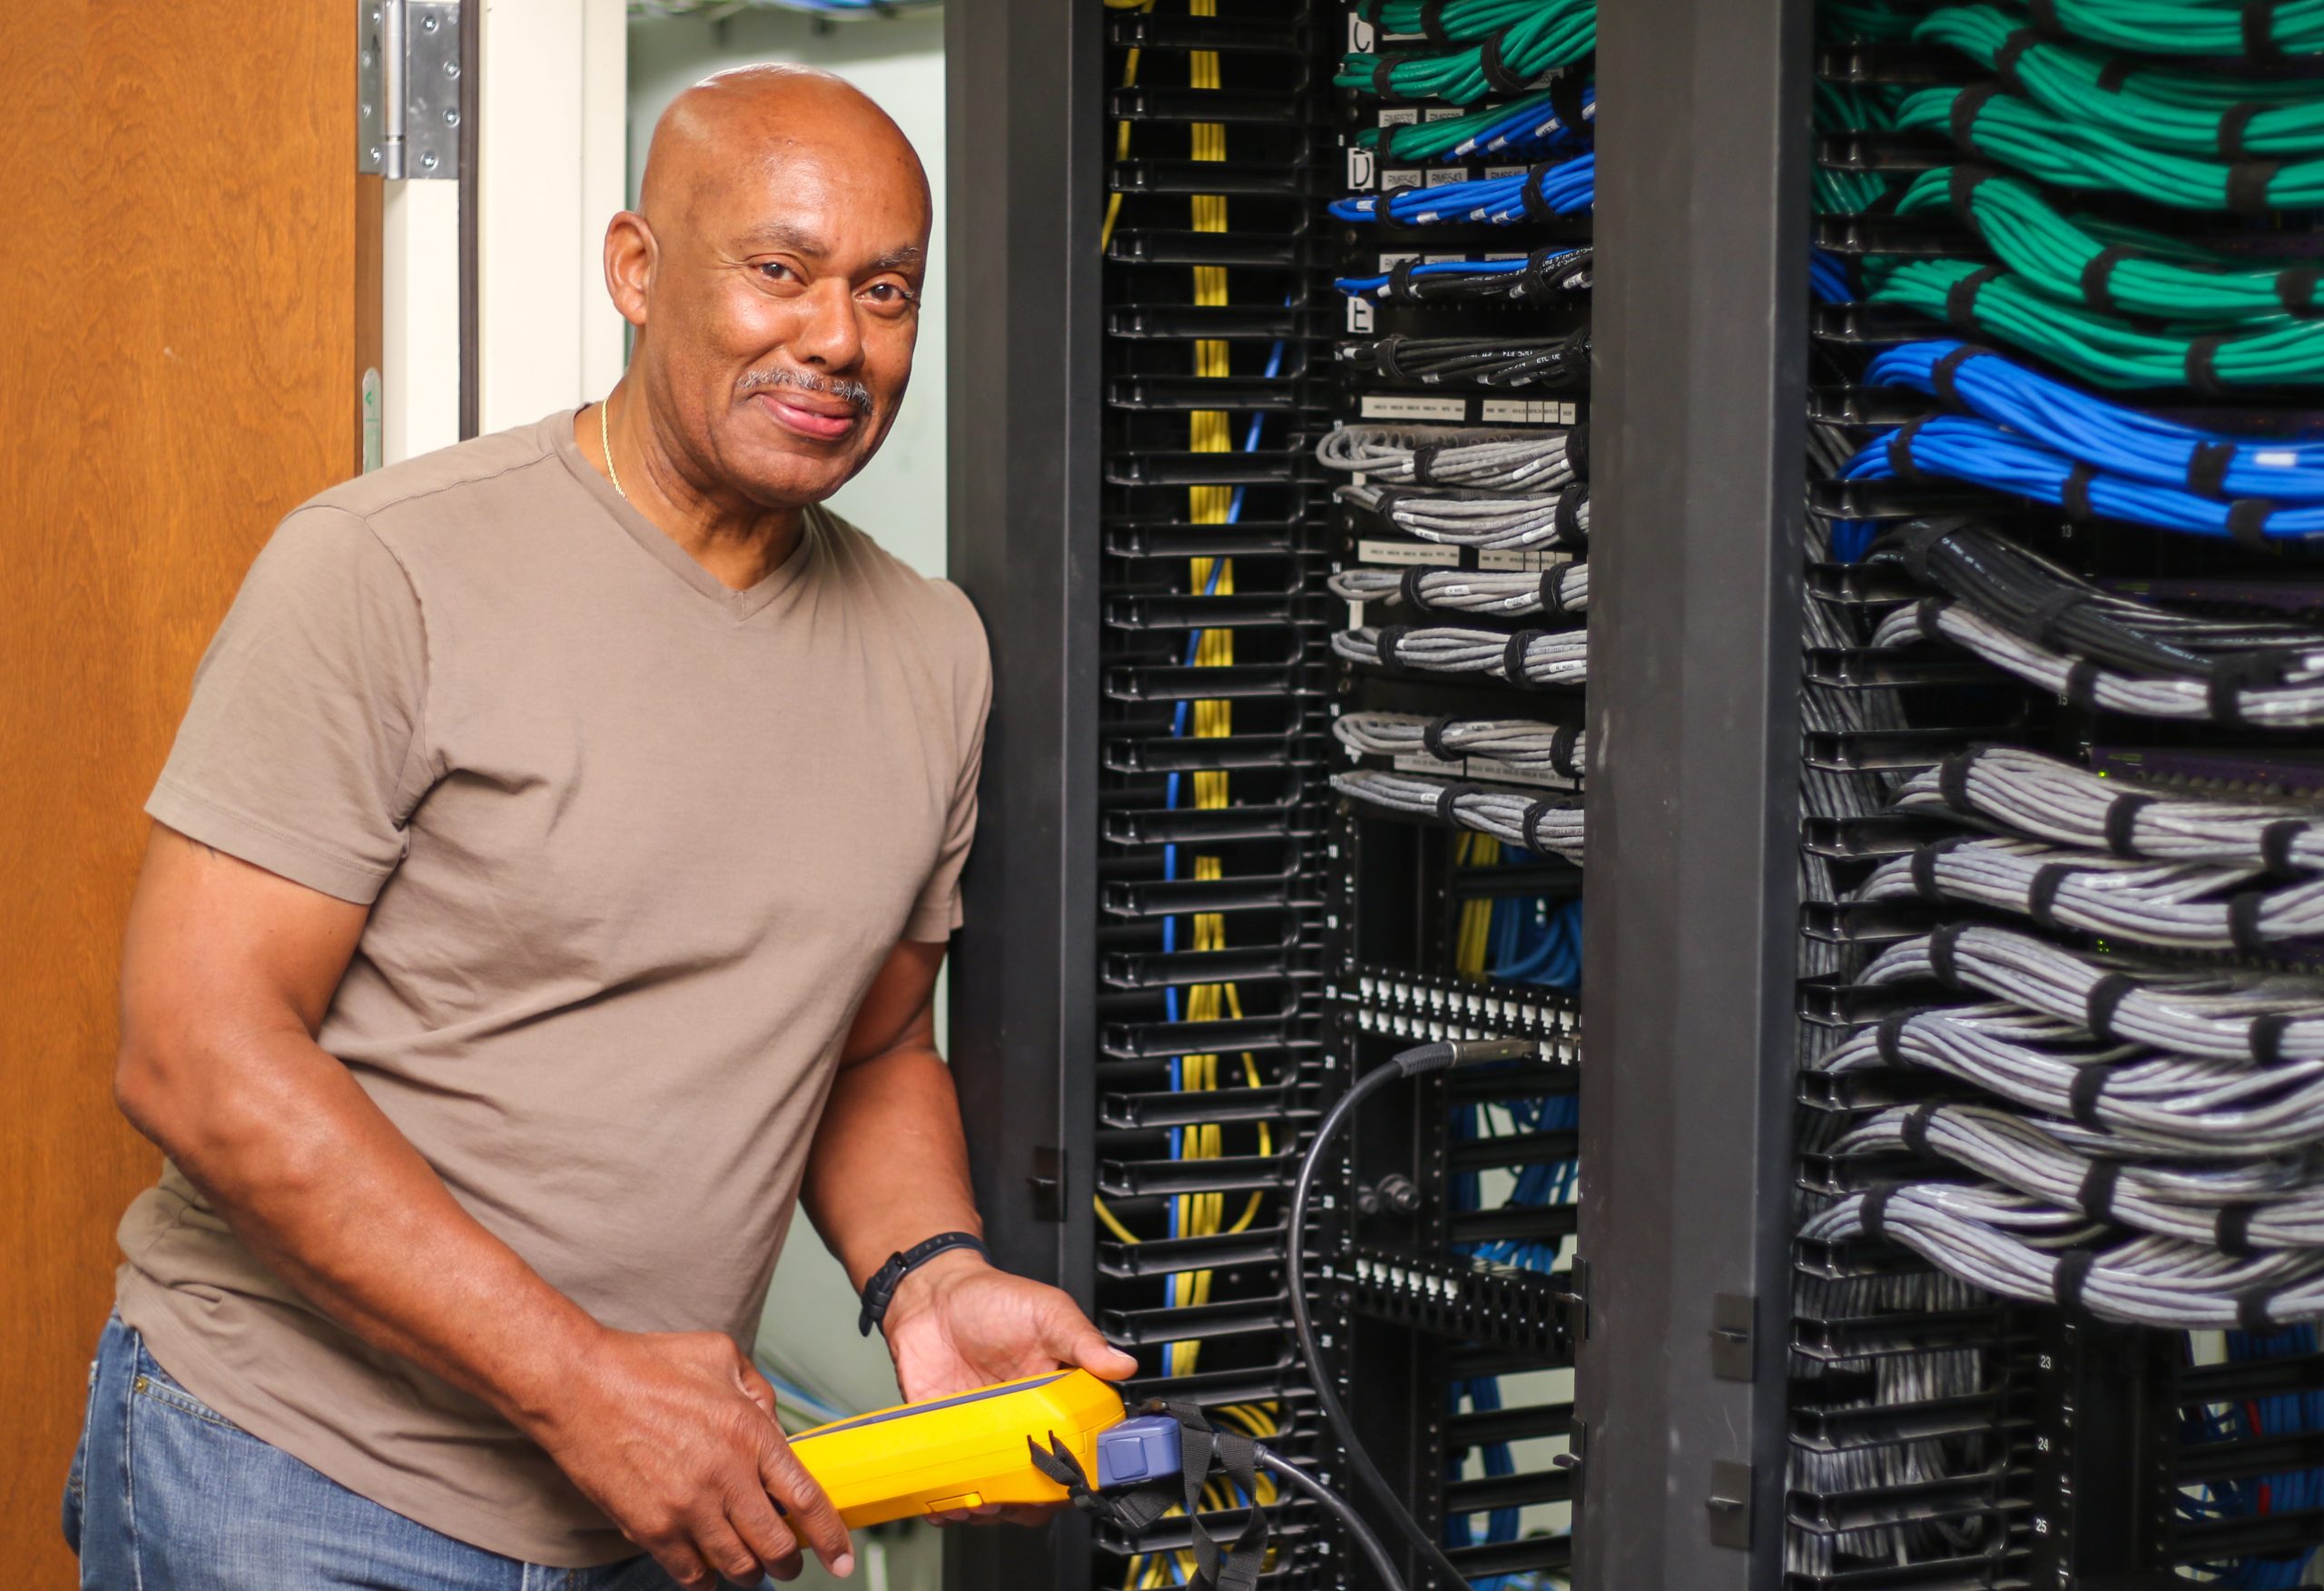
{"type": "Point", "coordinates": [633, 844]}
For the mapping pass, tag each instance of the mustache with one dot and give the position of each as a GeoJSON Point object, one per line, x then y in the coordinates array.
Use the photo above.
{"type": "Point", "coordinates": [853, 392]}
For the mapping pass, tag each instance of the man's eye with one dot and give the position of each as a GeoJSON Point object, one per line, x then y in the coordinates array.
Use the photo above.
{"type": "Point", "coordinates": [775, 270]}
{"type": "Point", "coordinates": [889, 292]}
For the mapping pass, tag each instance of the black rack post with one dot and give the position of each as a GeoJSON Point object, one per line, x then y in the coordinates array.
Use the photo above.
{"type": "Point", "coordinates": [1698, 389]}
{"type": "Point", "coordinates": [1024, 124]}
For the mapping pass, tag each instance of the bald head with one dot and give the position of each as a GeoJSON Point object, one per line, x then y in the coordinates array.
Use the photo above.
{"type": "Point", "coordinates": [774, 269]}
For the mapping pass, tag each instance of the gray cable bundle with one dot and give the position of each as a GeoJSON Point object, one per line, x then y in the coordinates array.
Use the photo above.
{"type": "Point", "coordinates": [1489, 523]}
{"type": "Point", "coordinates": [2128, 1097]}
{"type": "Point", "coordinates": [2024, 1248]}
{"type": "Point", "coordinates": [1450, 456]}
{"type": "Point", "coordinates": [2179, 906]}
{"type": "Point", "coordinates": [1529, 657]}
{"type": "Point", "coordinates": [1562, 588]}
{"type": "Point", "coordinates": [2217, 1011]}
{"type": "Point", "coordinates": [1546, 826]}
{"type": "Point", "coordinates": [2067, 805]}
{"type": "Point", "coordinates": [1520, 742]}
{"type": "Point", "coordinates": [2298, 702]}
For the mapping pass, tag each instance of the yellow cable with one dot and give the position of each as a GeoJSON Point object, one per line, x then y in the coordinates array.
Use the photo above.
{"type": "Point", "coordinates": [1121, 129]}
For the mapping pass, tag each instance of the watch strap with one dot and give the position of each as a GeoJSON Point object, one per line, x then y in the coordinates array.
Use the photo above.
{"type": "Point", "coordinates": [879, 1288]}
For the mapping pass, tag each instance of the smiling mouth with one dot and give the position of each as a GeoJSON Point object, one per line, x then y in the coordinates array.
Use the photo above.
{"type": "Point", "coordinates": [807, 418]}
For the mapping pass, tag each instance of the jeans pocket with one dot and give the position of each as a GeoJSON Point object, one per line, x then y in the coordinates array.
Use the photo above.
{"type": "Point", "coordinates": [155, 1383]}
{"type": "Point", "coordinates": [77, 1478]}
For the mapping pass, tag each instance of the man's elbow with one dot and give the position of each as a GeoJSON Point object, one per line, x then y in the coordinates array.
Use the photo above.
{"type": "Point", "coordinates": [175, 1082]}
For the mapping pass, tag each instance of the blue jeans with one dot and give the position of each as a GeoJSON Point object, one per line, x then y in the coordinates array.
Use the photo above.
{"type": "Point", "coordinates": [166, 1494]}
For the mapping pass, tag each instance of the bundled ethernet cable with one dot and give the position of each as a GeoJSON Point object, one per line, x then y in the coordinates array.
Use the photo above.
{"type": "Point", "coordinates": [2140, 101]}
{"type": "Point", "coordinates": [2028, 792]}
{"type": "Point", "coordinates": [1521, 743]}
{"type": "Point", "coordinates": [2262, 35]}
{"type": "Point", "coordinates": [2121, 441]}
{"type": "Point", "coordinates": [2099, 650]}
{"type": "Point", "coordinates": [1554, 364]}
{"type": "Point", "coordinates": [1547, 272]}
{"type": "Point", "coordinates": [1557, 118]}
{"type": "Point", "coordinates": [1533, 461]}
{"type": "Point", "coordinates": [1986, 120]}
{"type": "Point", "coordinates": [2106, 267]}
{"type": "Point", "coordinates": [2106, 350]}
{"type": "Point", "coordinates": [1562, 588]}
{"type": "Point", "coordinates": [1547, 826]}
{"type": "Point", "coordinates": [1965, 447]}
{"type": "Point", "coordinates": [1542, 192]}
{"type": "Point", "coordinates": [2174, 905]}
{"type": "Point", "coordinates": [1528, 657]}
{"type": "Point", "coordinates": [1487, 522]}
{"type": "Point", "coordinates": [2221, 1013]}
{"type": "Point", "coordinates": [1520, 41]}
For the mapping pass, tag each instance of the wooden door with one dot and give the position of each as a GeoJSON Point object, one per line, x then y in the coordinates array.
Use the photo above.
{"type": "Point", "coordinates": [188, 292]}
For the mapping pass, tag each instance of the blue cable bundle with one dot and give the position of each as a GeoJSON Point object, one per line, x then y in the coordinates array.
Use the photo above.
{"type": "Point", "coordinates": [2281, 1414]}
{"type": "Point", "coordinates": [1828, 274]}
{"type": "Point", "coordinates": [1541, 194]}
{"type": "Point", "coordinates": [2107, 436]}
{"type": "Point", "coordinates": [1537, 942]}
{"type": "Point", "coordinates": [1967, 448]}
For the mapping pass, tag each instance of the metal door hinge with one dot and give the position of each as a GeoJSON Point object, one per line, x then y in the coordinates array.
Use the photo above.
{"type": "Point", "coordinates": [1730, 1503]}
{"type": "Point", "coordinates": [1732, 1323]}
{"type": "Point", "coordinates": [408, 88]}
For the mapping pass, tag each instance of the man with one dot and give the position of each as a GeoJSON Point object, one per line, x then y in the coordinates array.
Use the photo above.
{"type": "Point", "coordinates": [548, 886]}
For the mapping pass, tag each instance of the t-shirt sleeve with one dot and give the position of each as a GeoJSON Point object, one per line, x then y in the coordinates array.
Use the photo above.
{"type": "Point", "coordinates": [302, 751]}
{"type": "Point", "coordinates": [937, 912]}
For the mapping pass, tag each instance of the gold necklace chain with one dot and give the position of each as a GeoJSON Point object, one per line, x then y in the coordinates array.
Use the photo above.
{"type": "Point", "coordinates": [606, 441]}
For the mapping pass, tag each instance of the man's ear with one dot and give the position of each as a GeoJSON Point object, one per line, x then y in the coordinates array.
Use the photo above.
{"type": "Point", "coordinates": [630, 256]}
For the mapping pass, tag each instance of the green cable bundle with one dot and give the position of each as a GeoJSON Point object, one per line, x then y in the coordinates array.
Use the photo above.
{"type": "Point", "coordinates": [1547, 34]}
{"type": "Point", "coordinates": [1985, 120]}
{"type": "Point", "coordinates": [1862, 22]}
{"type": "Point", "coordinates": [1456, 20]}
{"type": "Point", "coordinates": [2112, 268]}
{"type": "Point", "coordinates": [1428, 141]}
{"type": "Point", "coordinates": [2160, 107]}
{"type": "Point", "coordinates": [1989, 302]}
{"type": "Point", "coordinates": [2177, 27]}
{"type": "Point", "coordinates": [1850, 108]}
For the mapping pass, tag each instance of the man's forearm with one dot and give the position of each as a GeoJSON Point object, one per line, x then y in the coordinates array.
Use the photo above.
{"type": "Point", "coordinates": [890, 1164]}
{"type": "Point", "coordinates": [321, 1186]}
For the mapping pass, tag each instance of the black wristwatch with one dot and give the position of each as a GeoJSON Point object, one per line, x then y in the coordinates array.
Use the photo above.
{"type": "Point", "coordinates": [881, 1288]}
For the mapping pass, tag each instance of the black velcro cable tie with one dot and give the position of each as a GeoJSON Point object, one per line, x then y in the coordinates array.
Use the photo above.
{"type": "Point", "coordinates": [2104, 998]}
{"type": "Point", "coordinates": [2247, 185]}
{"type": "Point", "coordinates": [1889, 1037]}
{"type": "Point", "coordinates": [1942, 964]}
{"type": "Point", "coordinates": [2122, 822]}
{"type": "Point", "coordinates": [1431, 23]}
{"type": "Point", "coordinates": [1561, 746]}
{"type": "Point", "coordinates": [1565, 100]}
{"type": "Point", "coordinates": [2097, 279]}
{"type": "Point", "coordinates": [2232, 125]}
{"type": "Point", "coordinates": [2096, 1194]}
{"type": "Point", "coordinates": [2207, 469]}
{"type": "Point", "coordinates": [1537, 266]}
{"type": "Point", "coordinates": [1944, 375]}
{"type": "Point", "coordinates": [1924, 866]}
{"type": "Point", "coordinates": [1513, 656]}
{"type": "Point", "coordinates": [1384, 357]}
{"type": "Point", "coordinates": [2232, 1230]}
{"type": "Point", "coordinates": [2251, 1308]}
{"type": "Point", "coordinates": [1385, 501]}
{"type": "Point", "coordinates": [2266, 1038]}
{"type": "Point", "coordinates": [1431, 738]}
{"type": "Point", "coordinates": [2041, 895]}
{"type": "Point", "coordinates": [2116, 72]}
{"type": "Point", "coordinates": [2043, 619]}
{"type": "Point", "coordinates": [2045, 18]}
{"type": "Point", "coordinates": [2259, 19]}
{"type": "Point", "coordinates": [2276, 842]}
{"type": "Point", "coordinates": [2072, 1273]}
{"type": "Point", "coordinates": [1915, 1130]}
{"type": "Point", "coordinates": [1961, 186]}
{"type": "Point", "coordinates": [1383, 70]}
{"type": "Point", "coordinates": [2247, 522]}
{"type": "Point", "coordinates": [1530, 826]}
{"type": "Point", "coordinates": [1551, 598]}
{"type": "Point", "coordinates": [1386, 640]}
{"type": "Point", "coordinates": [1962, 123]}
{"type": "Point", "coordinates": [1448, 798]}
{"type": "Point", "coordinates": [2012, 47]}
{"type": "Point", "coordinates": [1953, 781]}
{"type": "Point", "coordinates": [2083, 1097]}
{"type": "Point", "coordinates": [2073, 496]}
{"type": "Point", "coordinates": [2202, 365]}
{"type": "Point", "coordinates": [2081, 684]}
{"type": "Point", "coordinates": [1900, 451]}
{"type": "Point", "coordinates": [1537, 204]}
{"type": "Point", "coordinates": [1926, 614]}
{"type": "Point", "coordinates": [1491, 66]}
{"type": "Point", "coordinates": [1424, 457]}
{"type": "Point", "coordinates": [1577, 450]}
{"type": "Point", "coordinates": [1961, 298]}
{"type": "Point", "coordinates": [1566, 523]}
{"type": "Point", "coordinates": [1399, 278]}
{"type": "Point", "coordinates": [2243, 930]}
{"type": "Point", "coordinates": [2295, 288]}
{"type": "Point", "coordinates": [1410, 590]}
{"type": "Point", "coordinates": [1873, 1213]}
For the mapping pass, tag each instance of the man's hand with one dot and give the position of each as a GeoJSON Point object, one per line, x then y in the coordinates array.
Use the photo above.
{"type": "Point", "coordinates": [956, 1324]}
{"type": "Point", "coordinates": [672, 1435]}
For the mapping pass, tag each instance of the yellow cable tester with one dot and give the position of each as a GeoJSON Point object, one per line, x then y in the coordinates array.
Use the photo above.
{"type": "Point", "coordinates": [957, 1452]}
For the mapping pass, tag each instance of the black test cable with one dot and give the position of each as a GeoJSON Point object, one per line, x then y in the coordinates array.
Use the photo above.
{"type": "Point", "coordinates": [1411, 1063]}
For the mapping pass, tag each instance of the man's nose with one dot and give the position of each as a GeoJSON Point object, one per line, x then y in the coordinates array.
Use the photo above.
{"type": "Point", "coordinates": [829, 335]}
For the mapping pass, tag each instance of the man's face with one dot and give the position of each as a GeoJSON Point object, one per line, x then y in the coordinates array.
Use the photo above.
{"type": "Point", "coordinates": [785, 307]}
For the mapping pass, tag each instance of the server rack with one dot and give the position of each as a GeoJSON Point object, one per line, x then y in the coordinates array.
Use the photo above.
{"type": "Point", "coordinates": [1744, 1408]}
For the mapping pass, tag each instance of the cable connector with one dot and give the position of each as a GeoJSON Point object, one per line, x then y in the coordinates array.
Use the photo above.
{"type": "Point", "coordinates": [1465, 1052]}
